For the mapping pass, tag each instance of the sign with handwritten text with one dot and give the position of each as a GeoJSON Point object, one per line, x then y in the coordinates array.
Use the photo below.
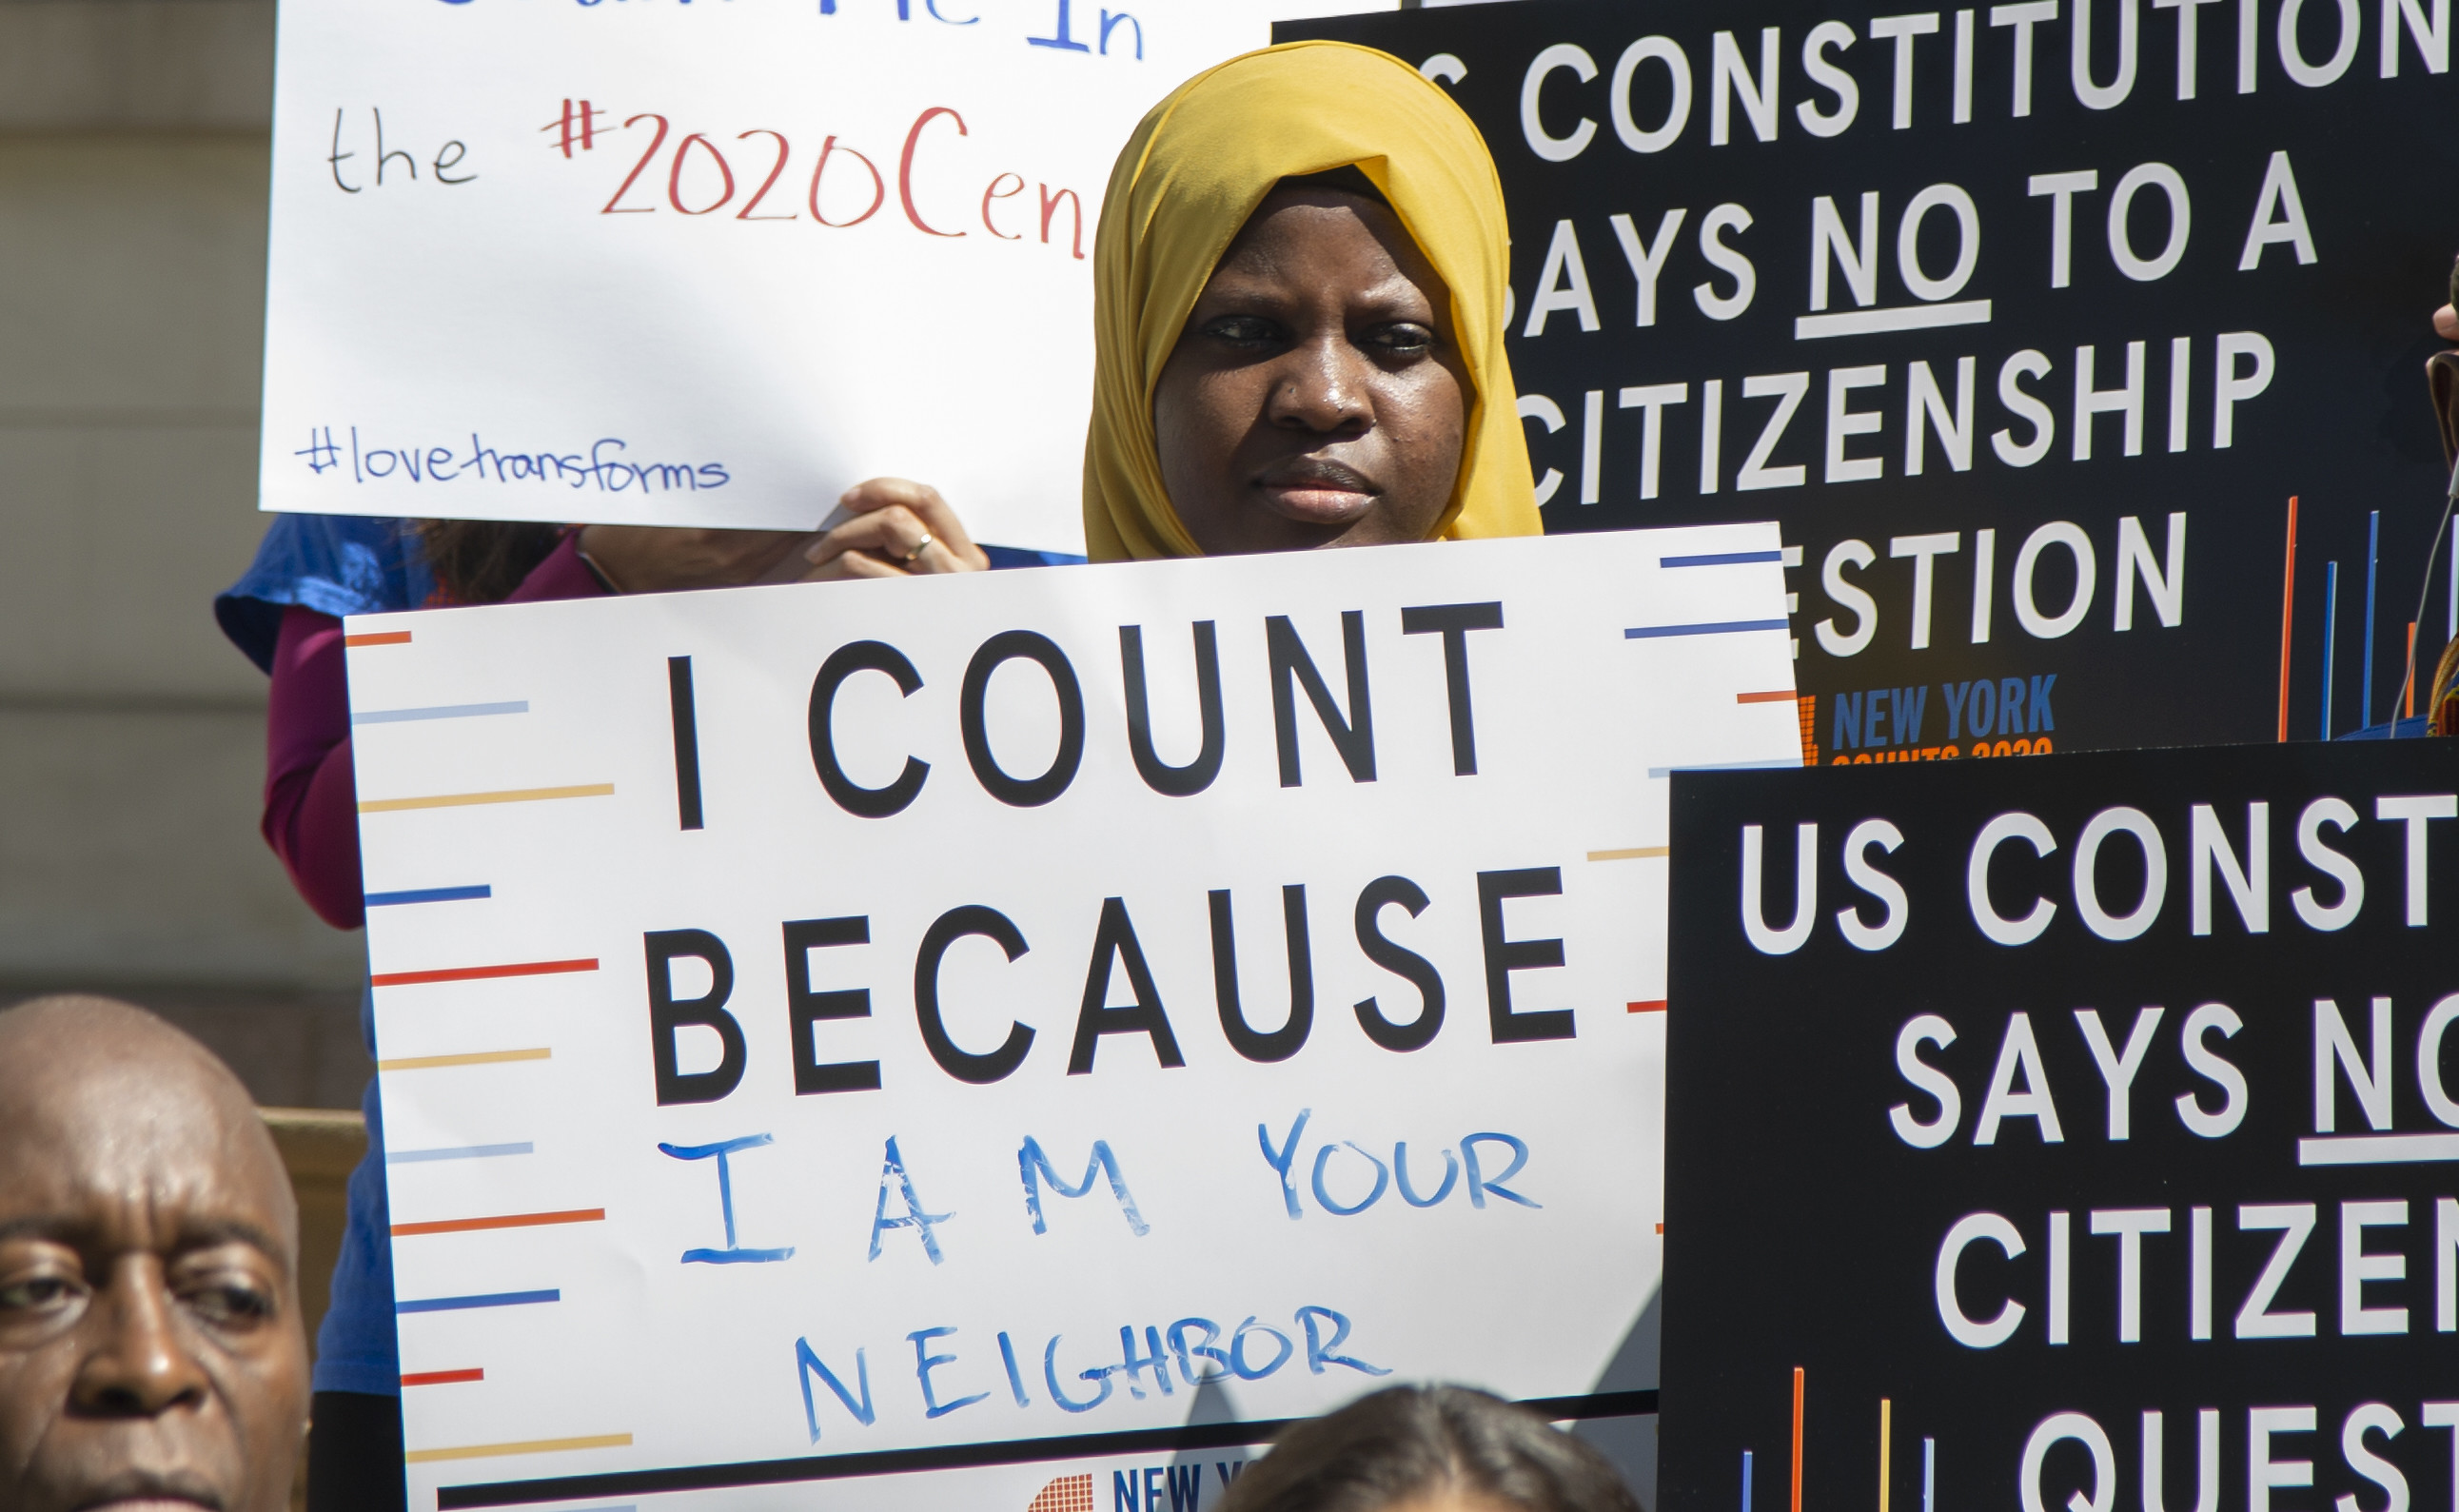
{"type": "Point", "coordinates": [659, 263]}
{"type": "Point", "coordinates": [834, 1033]}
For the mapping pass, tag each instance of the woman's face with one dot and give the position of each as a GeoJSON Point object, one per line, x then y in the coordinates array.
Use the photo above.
{"type": "Point", "coordinates": [1316, 396]}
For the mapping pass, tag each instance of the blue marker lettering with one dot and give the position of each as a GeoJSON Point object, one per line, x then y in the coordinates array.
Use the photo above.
{"type": "Point", "coordinates": [1281, 1160]}
{"type": "Point", "coordinates": [1035, 1167]}
{"type": "Point", "coordinates": [1382, 1180]}
{"type": "Point", "coordinates": [1401, 1171]}
{"type": "Point", "coordinates": [1133, 1365]}
{"type": "Point", "coordinates": [1211, 1336]}
{"type": "Point", "coordinates": [1479, 1186]}
{"type": "Point", "coordinates": [1015, 1377]}
{"type": "Point", "coordinates": [925, 1362]}
{"type": "Point", "coordinates": [806, 1364]}
{"type": "Point", "coordinates": [1059, 38]}
{"type": "Point", "coordinates": [1238, 1365]}
{"type": "Point", "coordinates": [1319, 1352]}
{"type": "Point", "coordinates": [1050, 1379]}
{"type": "Point", "coordinates": [915, 1217]}
{"type": "Point", "coordinates": [732, 1254]}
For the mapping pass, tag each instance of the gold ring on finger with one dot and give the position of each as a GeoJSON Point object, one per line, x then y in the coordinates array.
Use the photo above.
{"type": "Point", "coordinates": [919, 547]}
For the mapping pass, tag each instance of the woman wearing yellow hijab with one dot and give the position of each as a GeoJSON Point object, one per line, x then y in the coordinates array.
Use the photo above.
{"type": "Point", "coordinates": [1300, 277]}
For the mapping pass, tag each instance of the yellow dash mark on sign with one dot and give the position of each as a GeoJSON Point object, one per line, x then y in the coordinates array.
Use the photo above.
{"type": "Point", "coordinates": [622, 1440]}
{"type": "Point", "coordinates": [1634, 853]}
{"type": "Point", "coordinates": [508, 796]}
{"type": "Point", "coordinates": [475, 1058]}
{"type": "Point", "coordinates": [1885, 1412]}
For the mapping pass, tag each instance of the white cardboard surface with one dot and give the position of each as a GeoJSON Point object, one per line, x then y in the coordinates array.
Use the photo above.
{"type": "Point", "coordinates": [529, 751]}
{"type": "Point", "coordinates": [512, 307]}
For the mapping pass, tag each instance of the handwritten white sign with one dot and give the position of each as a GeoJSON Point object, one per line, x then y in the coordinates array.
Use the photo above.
{"type": "Point", "coordinates": [854, 1030]}
{"type": "Point", "coordinates": [701, 261]}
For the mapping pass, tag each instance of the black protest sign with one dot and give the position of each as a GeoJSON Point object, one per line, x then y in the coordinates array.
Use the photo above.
{"type": "Point", "coordinates": [2027, 320]}
{"type": "Point", "coordinates": [2080, 1133]}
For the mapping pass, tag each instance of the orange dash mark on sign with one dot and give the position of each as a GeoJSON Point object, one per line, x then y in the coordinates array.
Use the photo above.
{"type": "Point", "coordinates": [378, 637]}
{"type": "Point", "coordinates": [442, 1377]}
{"type": "Point", "coordinates": [1797, 1438]}
{"type": "Point", "coordinates": [2287, 613]}
{"type": "Point", "coordinates": [1653, 1005]}
{"type": "Point", "coordinates": [1772, 696]}
{"type": "Point", "coordinates": [502, 1221]}
{"type": "Point", "coordinates": [450, 974]}
{"type": "Point", "coordinates": [2409, 691]}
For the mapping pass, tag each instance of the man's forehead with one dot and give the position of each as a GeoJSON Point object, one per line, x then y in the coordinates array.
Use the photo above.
{"type": "Point", "coordinates": [145, 1143]}
{"type": "Point", "coordinates": [81, 1166]}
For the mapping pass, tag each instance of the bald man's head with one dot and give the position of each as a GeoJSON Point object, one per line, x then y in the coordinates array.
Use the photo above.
{"type": "Point", "coordinates": [151, 1354]}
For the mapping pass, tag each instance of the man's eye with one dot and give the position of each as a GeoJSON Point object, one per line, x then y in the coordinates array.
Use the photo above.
{"type": "Point", "coordinates": [36, 1293]}
{"type": "Point", "coordinates": [1246, 330]}
{"type": "Point", "coordinates": [230, 1302]}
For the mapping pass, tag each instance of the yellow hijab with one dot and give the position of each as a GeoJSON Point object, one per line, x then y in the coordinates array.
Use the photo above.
{"type": "Point", "coordinates": [1197, 167]}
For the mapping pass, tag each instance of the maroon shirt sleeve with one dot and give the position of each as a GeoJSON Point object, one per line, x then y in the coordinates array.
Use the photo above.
{"type": "Point", "coordinates": [310, 802]}
{"type": "Point", "coordinates": [310, 798]}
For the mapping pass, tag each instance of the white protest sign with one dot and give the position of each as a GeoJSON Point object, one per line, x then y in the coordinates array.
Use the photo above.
{"type": "Point", "coordinates": [978, 1021]}
{"type": "Point", "coordinates": [659, 262]}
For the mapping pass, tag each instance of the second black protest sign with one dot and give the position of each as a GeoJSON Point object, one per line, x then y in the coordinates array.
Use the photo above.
{"type": "Point", "coordinates": [2080, 1133]}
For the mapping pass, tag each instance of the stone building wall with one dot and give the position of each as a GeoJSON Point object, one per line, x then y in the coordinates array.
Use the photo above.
{"type": "Point", "coordinates": [133, 153]}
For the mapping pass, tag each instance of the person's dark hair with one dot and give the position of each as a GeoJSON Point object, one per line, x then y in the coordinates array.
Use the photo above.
{"type": "Point", "coordinates": [482, 561]}
{"type": "Point", "coordinates": [1412, 1441]}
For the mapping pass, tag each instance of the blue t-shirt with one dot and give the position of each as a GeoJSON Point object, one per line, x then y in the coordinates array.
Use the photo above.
{"type": "Point", "coordinates": [335, 565]}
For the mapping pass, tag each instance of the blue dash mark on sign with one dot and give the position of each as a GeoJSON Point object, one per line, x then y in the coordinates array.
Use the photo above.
{"type": "Point", "coordinates": [442, 894]}
{"type": "Point", "coordinates": [1720, 627]}
{"type": "Point", "coordinates": [458, 1153]}
{"type": "Point", "coordinates": [1720, 559]}
{"type": "Point", "coordinates": [403, 716]}
{"type": "Point", "coordinates": [490, 1300]}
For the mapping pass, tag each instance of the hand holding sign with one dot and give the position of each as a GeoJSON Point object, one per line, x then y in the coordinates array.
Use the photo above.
{"type": "Point", "coordinates": [882, 527]}
{"type": "Point", "coordinates": [888, 527]}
